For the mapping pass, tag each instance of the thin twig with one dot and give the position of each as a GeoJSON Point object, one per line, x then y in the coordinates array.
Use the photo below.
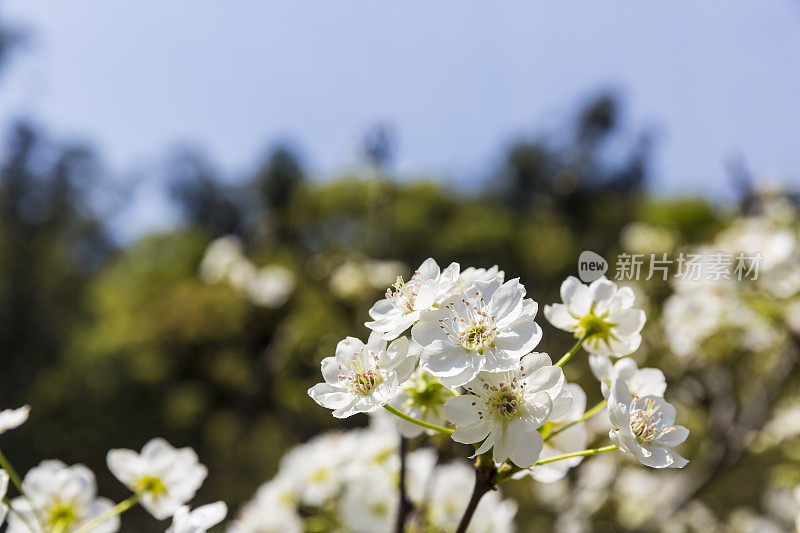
{"type": "Point", "coordinates": [731, 446]}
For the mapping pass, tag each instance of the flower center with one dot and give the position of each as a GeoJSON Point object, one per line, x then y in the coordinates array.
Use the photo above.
{"type": "Point", "coordinates": [62, 515]}
{"type": "Point", "coordinates": [469, 325]}
{"type": "Point", "coordinates": [426, 392]}
{"type": "Point", "coordinates": [405, 293]}
{"type": "Point", "coordinates": [503, 399]}
{"type": "Point", "coordinates": [152, 485]}
{"type": "Point", "coordinates": [362, 380]}
{"type": "Point", "coordinates": [647, 421]}
{"type": "Point", "coordinates": [320, 475]}
{"type": "Point", "coordinates": [592, 325]}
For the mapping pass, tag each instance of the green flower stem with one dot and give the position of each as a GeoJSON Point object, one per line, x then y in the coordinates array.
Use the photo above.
{"type": "Point", "coordinates": [508, 469]}
{"type": "Point", "coordinates": [118, 509]}
{"type": "Point", "coordinates": [17, 482]}
{"type": "Point", "coordinates": [571, 352]}
{"type": "Point", "coordinates": [19, 515]}
{"type": "Point", "coordinates": [12, 474]}
{"type": "Point", "coordinates": [582, 453]}
{"type": "Point", "coordinates": [413, 420]}
{"type": "Point", "coordinates": [587, 415]}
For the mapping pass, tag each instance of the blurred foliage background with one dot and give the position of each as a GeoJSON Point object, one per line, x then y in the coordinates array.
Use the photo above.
{"type": "Point", "coordinates": [113, 343]}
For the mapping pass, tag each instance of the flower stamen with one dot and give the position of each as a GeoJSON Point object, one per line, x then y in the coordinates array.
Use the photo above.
{"type": "Point", "coordinates": [647, 421]}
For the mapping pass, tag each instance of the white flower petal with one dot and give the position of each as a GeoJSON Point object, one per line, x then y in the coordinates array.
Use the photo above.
{"type": "Point", "coordinates": [601, 292]}
{"type": "Point", "coordinates": [348, 349]}
{"type": "Point", "coordinates": [471, 434]}
{"type": "Point", "coordinates": [629, 321]}
{"type": "Point", "coordinates": [462, 410]}
{"type": "Point", "coordinates": [601, 366]}
{"type": "Point", "coordinates": [429, 269]}
{"type": "Point", "coordinates": [576, 296]}
{"type": "Point", "coordinates": [506, 302]}
{"type": "Point", "coordinates": [527, 444]}
{"type": "Point", "coordinates": [441, 359]}
{"type": "Point", "coordinates": [674, 438]}
{"type": "Point", "coordinates": [558, 315]}
{"type": "Point", "coordinates": [521, 337]}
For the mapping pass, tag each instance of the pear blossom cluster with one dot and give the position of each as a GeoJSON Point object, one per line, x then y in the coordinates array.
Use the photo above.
{"type": "Point", "coordinates": [54, 497]}
{"type": "Point", "coordinates": [453, 351]}
{"type": "Point", "coordinates": [450, 355]}
{"type": "Point", "coordinates": [347, 481]}
{"type": "Point", "coordinates": [720, 336]}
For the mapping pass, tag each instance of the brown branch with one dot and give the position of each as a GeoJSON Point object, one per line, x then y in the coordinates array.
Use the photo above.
{"type": "Point", "coordinates": [404, 505]}
{"type": "Point", "coordinates": [484, 476]}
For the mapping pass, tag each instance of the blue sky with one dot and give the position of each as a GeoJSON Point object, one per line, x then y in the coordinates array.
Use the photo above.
{"type": "Point", "coordinates": [458, 79]}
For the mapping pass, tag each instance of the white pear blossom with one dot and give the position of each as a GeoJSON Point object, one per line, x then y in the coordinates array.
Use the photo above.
{"type": "Point", "coordinates": [644, 427]}
{"type": "Point", "coordinates": [572, 439]}
{"type": "Point", "coordinates": [470, 275]}
{"type": "Point", "coordinates": [600, 311]}
{"type": "Point", "coordinates": [166, 477]}
{"type": "Point", "coordinates": [361, 378]}
{"type": "Point", "coordinates": [13, 418]}
{"type": "Point", "coordinates": [62, 497]}
{"type": "Point", "coordinates": [406, 301]}
{"type": "Point", "coordinates": [421, 397]}
{"type": "Point", "coordinates": [641, 381]}
{"type": "Point", "coordinates": [488, 328]}
{"type": "Point", "coordinates": [504, 410]}
{"type": "Point", "coordinates": [198, 520]}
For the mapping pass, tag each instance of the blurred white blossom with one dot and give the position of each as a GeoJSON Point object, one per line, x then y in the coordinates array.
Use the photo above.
{"type": "Point", "coordinates": [198, 520]}
{"type": "Point", "coordinates": [644, 238]}
{"type": "Point", "coordinates": [60, 497]}
{"type": "Point", "coordinates": [219, 258]}
{"type": "Point", "coordinates": [13, 418]}
{"type": "Point", "coordinates": [165, 476]}
{"type": "Point", "coordinates": [268, 286]}
{"type": "Point", "coordinates": [271, 286]}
